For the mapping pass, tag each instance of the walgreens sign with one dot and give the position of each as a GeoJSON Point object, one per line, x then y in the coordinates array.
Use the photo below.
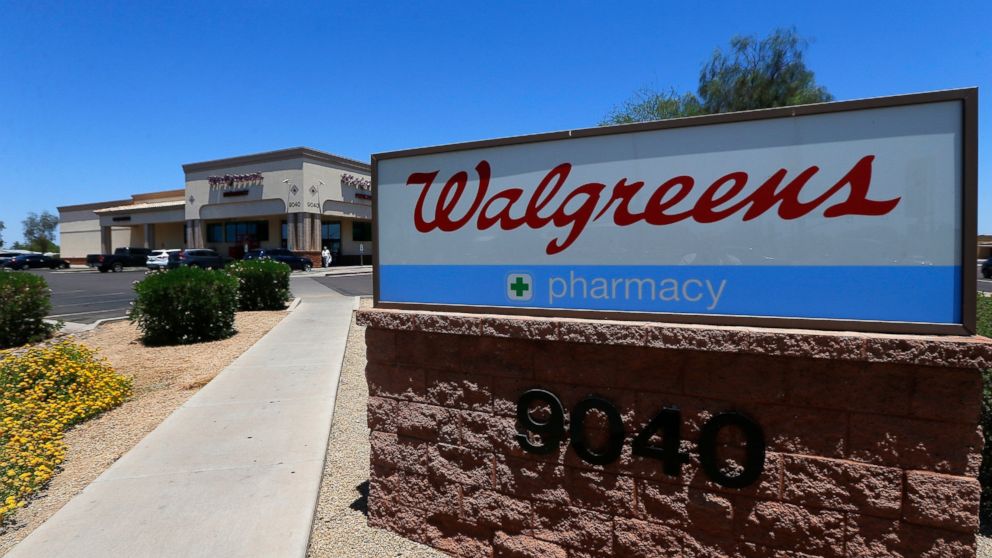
{"type": "Point", "coordinates": [847, 215]}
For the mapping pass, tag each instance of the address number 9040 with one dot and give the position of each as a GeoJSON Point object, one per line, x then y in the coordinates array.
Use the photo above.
{"type": "Point", "coordinates": [666, 423]}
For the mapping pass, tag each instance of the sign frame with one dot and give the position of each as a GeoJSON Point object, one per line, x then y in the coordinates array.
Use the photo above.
{"type": "Point", "coordinates": [969, 219]}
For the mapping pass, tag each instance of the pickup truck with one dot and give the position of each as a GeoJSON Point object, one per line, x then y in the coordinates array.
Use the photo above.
{"type": "Point", "coordinates": [121, 258]}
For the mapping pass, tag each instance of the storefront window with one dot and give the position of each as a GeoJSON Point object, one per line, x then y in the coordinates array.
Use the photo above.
{"type": "Point", "coordinates": [361, 231]}
{"type": "Point", "coordinates": [215, 232]}
{"type": "Point", "coordinates": [330, 231]}
{"type": "Point", "coordinates": [238, 232]}
{"type": "Point", "coordinates": [284, 238]}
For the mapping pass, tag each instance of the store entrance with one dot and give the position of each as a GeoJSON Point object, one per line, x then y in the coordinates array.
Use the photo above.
{"type": "Point", "coordinates": [330, 236]}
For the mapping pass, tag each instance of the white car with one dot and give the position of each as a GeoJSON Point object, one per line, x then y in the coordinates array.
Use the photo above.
{"type": "Point", "coordinates": [159, 259]}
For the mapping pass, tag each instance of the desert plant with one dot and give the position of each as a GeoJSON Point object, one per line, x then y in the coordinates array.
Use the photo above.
{"type": "Point", "coordinates": [185, 305]}
{"type": "Point", "coordinates": [43, 391]}
{"type": "Point", "coordinates": [262, 284]}
{"type": "Point", "coordinates": [26, 300]}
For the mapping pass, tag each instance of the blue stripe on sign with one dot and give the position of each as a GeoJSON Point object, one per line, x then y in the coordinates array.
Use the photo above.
{"type": "Point", "coordinates": [882, 293]}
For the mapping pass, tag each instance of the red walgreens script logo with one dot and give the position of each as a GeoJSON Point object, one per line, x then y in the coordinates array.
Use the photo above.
{"type": "Point", "coordinates": [497, 208]}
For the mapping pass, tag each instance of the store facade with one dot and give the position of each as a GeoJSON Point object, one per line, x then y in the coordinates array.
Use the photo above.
{"type": "Point", "coordinates": [299, 198]}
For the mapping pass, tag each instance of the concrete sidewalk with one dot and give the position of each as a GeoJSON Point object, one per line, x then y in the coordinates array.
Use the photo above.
{"type": "Point", "coordinates": [233, 472]}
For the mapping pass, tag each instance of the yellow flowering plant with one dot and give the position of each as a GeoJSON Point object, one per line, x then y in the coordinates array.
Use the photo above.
{"type": "Point", "coordinates": [45, 390]}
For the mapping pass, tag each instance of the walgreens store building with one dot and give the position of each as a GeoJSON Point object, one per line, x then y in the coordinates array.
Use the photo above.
{"type": "Point", "coordinates": [300, 198]}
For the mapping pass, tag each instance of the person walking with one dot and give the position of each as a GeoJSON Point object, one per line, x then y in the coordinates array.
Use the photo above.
{"type": "Point", "coordinates": [325, 254]}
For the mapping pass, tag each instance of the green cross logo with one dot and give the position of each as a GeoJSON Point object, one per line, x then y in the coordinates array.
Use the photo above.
{"type": "Point", "coordinates": [519, 287]}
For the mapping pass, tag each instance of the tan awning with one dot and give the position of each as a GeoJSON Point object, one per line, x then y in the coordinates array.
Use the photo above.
{"type": "Point", "coordinates": [150, 206]}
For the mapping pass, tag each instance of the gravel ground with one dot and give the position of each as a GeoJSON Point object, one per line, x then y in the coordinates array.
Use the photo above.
{"type": "Point", "coordinates": [340, 528]}
{"type": "Point", "coordinates": [164, 377]}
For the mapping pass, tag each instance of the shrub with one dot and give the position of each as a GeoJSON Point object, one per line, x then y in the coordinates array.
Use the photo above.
{"type": "Point", "coordinates": [25, 300]}
{"type": "Point", "coordinates": [262, 284]}
{"type": "Point", "coordinates": [44, 391]}
{"type": "Point", "coordinates": [185, 305]}
{"type": "Point", "coordinates": [985, 472]}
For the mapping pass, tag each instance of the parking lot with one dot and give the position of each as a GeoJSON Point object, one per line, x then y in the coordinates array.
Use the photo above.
{"type": "Point", "coordinates": [86, 296]}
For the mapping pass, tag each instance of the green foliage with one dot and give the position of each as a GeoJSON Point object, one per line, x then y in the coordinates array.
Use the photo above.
{"type": "Point", "coordinates": [2, 227]}
{"type": "Point", "coordinates": [985, 472]}
{"type": "Point", "coordinates": [39, 232]}
{"type": "Point", "coordinates": [752, 74]}
{"type": "Point", "coordinates": [651, 105]}
{"type": "Point", "coordinates": [262, 284]}
{"type": "Point", "coordinates": [25, 299]}
{"type": "Point", "coordinates": [185, 305]}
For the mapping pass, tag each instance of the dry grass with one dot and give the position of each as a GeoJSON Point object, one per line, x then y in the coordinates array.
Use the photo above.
{"type": "Point", "coordinates": [164, 377]}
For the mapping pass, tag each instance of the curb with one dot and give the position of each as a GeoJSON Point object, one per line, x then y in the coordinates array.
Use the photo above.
{"type": "Point", "coordinates": [94, 270]}
{"type": "Point", "coordinates": [356, 274]}
{"type": "Point", "coordinates": [292, 305]}
{"type": "Point", "coordinates": [77, 327]}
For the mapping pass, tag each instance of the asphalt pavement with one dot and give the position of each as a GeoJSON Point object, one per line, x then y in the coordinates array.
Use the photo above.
{"type": "Point", "coordinates": [88, 296]}
{"type": "Point", "coordinates": [984, 285]}
{"type": "Point", "coordinates": [348, 285]}
{"type": "Point", "coordinates": [85, 296]}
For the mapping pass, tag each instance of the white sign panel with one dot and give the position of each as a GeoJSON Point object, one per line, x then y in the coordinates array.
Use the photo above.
{"type": "Point", "coordinates": [842, 213]}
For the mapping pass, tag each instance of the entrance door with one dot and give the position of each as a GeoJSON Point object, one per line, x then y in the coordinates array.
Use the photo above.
{"type": "Point", "coordinates": [330, 236]}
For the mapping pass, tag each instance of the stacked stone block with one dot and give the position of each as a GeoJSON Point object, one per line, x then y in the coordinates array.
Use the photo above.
{"type": "Point", "coordinates": [873, 443]}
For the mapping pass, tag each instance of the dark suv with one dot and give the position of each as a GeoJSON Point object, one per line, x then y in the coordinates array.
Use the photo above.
{"type": "Point", "coordinates": [294, 261]}
{"type": "Point", "coordinates": [203, 258]}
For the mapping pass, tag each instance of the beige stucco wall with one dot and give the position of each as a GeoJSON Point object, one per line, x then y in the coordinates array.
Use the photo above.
{"type": "Point", "coordinates": [169, 235]}
{"type": "Point", "coordinates": [271, 189]}
{"type": "Point", "coordinates": [318, 190]}
{"type": "Point", "coordinates": [175, 215]}
{"type": "Point", "coordinates": [348, 246]}
{"type": "Point", "coordinates": [79, 233]}
{"type": "Point", "coordinates": [334, 197]}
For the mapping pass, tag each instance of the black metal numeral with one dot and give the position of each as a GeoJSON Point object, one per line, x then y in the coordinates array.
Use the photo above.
{"type": "Point", "coordinates": [754, 450]}
{"type": "Point", "coordinates": [551, 430]}
{"type": "Point", "coordinates": [668, 422]}
{"type": "Point", "coordinates": [614, 445]}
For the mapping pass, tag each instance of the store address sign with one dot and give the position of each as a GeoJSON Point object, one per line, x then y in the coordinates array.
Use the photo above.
{"type": "Point", "coordinates": [847, 215]}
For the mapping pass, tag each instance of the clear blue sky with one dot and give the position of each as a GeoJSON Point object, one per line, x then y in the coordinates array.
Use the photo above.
{"type": "Point", "coordinates": [99, 101]}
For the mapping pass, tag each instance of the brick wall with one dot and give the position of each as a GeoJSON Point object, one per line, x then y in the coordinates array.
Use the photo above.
{"type": "Point", "coordinates": [872, 441]}
{"type": "Point", "coordinates": [314, 257]}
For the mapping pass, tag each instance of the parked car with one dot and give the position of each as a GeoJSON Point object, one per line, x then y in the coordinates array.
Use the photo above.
{"type": "Point", "coordinates": [203, 258]}
{"type": "Point", "coordinates": [294, 261]}
{"type": "Point", "coordinates": [7, 256]}
{"type": "Point", "coordinates": [163, 259]}
{"type": "Point", "coordinates": [987, 269]}
{"type": "Point", "coordinates": [34, 261]}
{"type": "Point", "coordinates": [121, 258]}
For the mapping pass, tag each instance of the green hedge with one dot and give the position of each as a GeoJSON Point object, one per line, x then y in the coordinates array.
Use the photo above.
{"type": "Point", "coordinates": [185, 305]}
{"type": "Point", "coordinates": [25, 300]}
{"type": "Point", "coordinates": [262, 284]}
{"type": "Point", "coordinates": [985, 472]}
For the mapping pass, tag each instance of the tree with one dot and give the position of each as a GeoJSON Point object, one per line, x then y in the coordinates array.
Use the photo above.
{"type": "Point", "coordinates": [2, 227]}
{"type": "Point", "coordinates": [39, 232]}
{"type": "Point", "coordinates": [752, 74]}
